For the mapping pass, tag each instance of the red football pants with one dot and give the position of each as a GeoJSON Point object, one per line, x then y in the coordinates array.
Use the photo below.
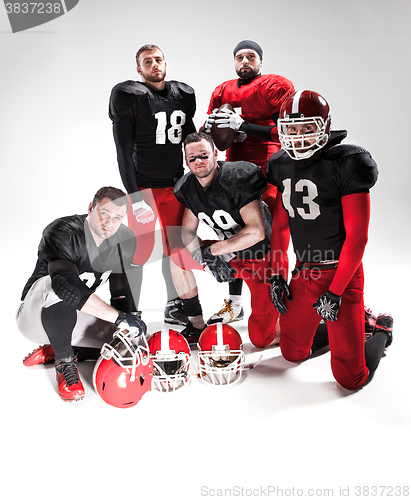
{"type": "Point", "coordinates": [270, 193]}
{"type": "Point", "coordinates": [169, 212]}
{"type": "Point", "coordinates": [346, 335]}
{"type": "Point", "coordinates": [263, 317]}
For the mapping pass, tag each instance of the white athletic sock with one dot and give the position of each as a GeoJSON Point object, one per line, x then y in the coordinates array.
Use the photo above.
{"type": "Point", "coordinates": [235, 299]}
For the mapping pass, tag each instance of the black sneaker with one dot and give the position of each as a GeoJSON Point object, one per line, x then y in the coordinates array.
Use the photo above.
{"type": "Point", "coordinates": [174, 313]}
{"type": "Point", "coordinates": [385, 324]}
{"type": "Point", "coordinates": [191, 333]}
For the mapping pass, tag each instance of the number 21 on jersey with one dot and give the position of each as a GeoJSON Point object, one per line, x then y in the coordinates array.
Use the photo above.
{"type": "Point", "coordinates": [310, 210]}
{"type": "Point", "coordinates": [174, 132]}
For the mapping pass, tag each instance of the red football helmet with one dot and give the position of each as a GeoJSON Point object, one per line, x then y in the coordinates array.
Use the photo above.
{"type": "Point", "coordinates": [304, 124]}
{"type": "Point", "coordinates": [170, 354]}
{"type": "Point", "coordinates": [220, 356]}
{"type": "Point", "coordinates": [124, 370]}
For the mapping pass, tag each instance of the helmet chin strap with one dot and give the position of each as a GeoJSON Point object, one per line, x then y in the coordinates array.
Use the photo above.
{"type": "Point", "coordinates": [251, 366]}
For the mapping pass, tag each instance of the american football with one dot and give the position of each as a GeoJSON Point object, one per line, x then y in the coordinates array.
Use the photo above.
{"type": "Point", "coordinates": [223, 137]}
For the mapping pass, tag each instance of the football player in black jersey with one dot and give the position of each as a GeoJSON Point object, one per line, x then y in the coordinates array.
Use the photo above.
{"type": "Point", "coordinates": [76, 255]}
{"type": "Point", "coordinates": [324, 202]}
{"type": "Point", "coordinates": [150, 119]}
{"type": "Point", "coordinates": [227, 197]}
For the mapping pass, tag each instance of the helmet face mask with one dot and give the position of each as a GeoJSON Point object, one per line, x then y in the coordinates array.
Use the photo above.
{"type": "Point", "coordinates": [170, 354]}
{"type": "Point", "coordinates": [170, 367]}
{"type": "Point", "coordinates": [220, 357]}
{"type": "Point", "coordinates": [126, 349]}
{"type": "Point", "coordinates": [171, 374]}
{"type": "Point", "coordinates": [304, 124]}
{"type": "Point", "coordinates": [302, 146]}
{"type": "Point", "coordinates": [219, 372]}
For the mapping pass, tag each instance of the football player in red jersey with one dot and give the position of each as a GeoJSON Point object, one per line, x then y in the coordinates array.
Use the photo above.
{"type": "Point", "coordinates": [324, 202]}
{"type": "Point", "coordinates": [76, 255]}
{"type": "Point", "coordinates": [150, 119]}
{"type": "Point", "coordinates": [256, 100]}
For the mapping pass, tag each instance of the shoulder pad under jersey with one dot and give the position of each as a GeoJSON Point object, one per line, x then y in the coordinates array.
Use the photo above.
{"type": "Point", "coordinates": [243, 181]}
{"type": "Point", "coordinates": [358, 171]}
{"type": "Point", "coordinates": [130, 87]}
{"type": "Point", "coordinates": [63, 238]}
{"type": "Point", "coordinates": [123, 98]}
{"type": "Point", "coordinates": [182, 86]}
{"type": "Point", "coordinates": [179, 187]}
{"type": "Point", "coordinates": [276, 160]}
{"type": "Point", "coordinates": [340, 151]}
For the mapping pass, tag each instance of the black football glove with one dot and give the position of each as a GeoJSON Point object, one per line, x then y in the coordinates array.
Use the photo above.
{"type": "Point", "coordinates": [220, 269]}
{"type": "Point", "coordinates": [128, 320]}
{"type": "Point", "coordinates": [328, 306]}
{"type": "Point", "coordinates": [279, 289]}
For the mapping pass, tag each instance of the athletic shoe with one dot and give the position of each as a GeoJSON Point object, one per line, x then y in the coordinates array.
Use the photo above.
{"type": "Point", "coordinates": [230, 312]}
{"type": "Point", "coordinates": [370, 320]}
{"type": "Point", "coordinates": [174, 313]}
{"type": "Point", "coordinates": [43, 355]}
{"type": "Point", "coordinates": [191, 333]}
{"type": "Point", "coordinates": [385, 324]}
{"type": "Point", "coordinates": [69, 383]}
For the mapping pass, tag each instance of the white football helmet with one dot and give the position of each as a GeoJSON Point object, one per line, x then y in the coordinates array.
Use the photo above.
{"type": "Point", "coordinates": [170, 354]}
{"type": "Point", "coordinates": [304, 124]}
{"type": "Point", "coordinates": [220, 356]}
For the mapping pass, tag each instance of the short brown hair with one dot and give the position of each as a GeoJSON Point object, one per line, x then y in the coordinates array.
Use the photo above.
{"type": "Point", "coordinates": [197, 137]}
{"type": "Point", "coordinates": [145, 48]}
{"type": "Point", "coordinates": [117, 196]}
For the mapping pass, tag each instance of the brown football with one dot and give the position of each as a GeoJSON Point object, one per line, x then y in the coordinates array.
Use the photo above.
{"type": "Point", "coordinates": [223, 137]}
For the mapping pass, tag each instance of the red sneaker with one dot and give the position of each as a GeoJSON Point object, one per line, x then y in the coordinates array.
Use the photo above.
{"type": "Point", "coordinates": [44, 354]}
{"type": "Point", "coordinates": [69, 383]}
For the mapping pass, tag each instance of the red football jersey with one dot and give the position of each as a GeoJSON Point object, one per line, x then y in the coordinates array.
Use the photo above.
{"type": "Point", "coordinates": [256, 101]}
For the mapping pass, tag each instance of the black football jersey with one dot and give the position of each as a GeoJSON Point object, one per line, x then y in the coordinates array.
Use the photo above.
{"type": "Point", "coordinates": [69, 238]}
{"type": "Point", "coordinates": [312, 191]}
{"type": "Point", "coordinates": [160, 121]}
{"type": "Point", "coordinates": [235, 185]}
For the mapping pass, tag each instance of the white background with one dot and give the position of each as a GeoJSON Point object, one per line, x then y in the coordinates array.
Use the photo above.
{"type": "Point", "coordinates": [286, 425]}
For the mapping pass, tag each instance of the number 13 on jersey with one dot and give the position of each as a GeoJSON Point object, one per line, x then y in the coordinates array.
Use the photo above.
{"type": "Point", "coordinates": [310, 210]}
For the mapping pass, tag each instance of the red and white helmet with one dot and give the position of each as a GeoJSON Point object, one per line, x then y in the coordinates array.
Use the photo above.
{"type": "Point", "coordinates": [220, 356]}
{"type": "Point", "coordinates": [124, 370]}
{"type": "Point", "coordinates": [170, 354]}
{"type": "Point", "coordinates": [303, 108]}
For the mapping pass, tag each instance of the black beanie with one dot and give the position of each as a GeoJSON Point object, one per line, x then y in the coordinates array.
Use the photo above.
{"type": "Point", "coordinates": [249, 44]}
